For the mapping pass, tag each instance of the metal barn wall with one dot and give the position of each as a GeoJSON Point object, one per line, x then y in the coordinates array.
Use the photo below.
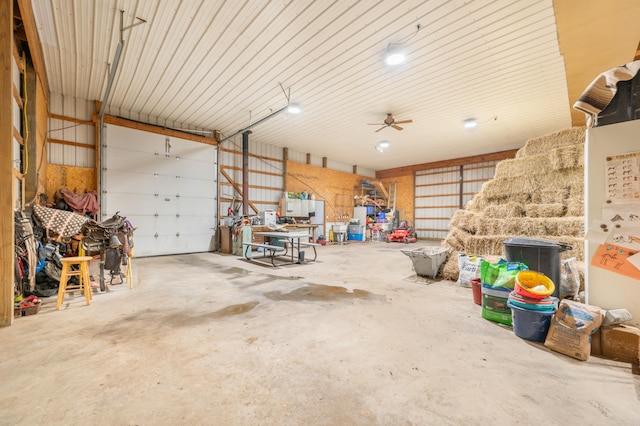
{"type": "Point", "coordinates": [266, 181]}
{"type": "Point", "coordinates": [440, 192]}
{"type": "Point", "coordinates": [300, 157]}
{"type": "Point", "coordinates": [68, 131]}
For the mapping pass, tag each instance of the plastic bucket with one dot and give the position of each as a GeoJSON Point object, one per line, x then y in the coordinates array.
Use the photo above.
{"type": "Point", "coordinates": [534, 285]}
{"type": "Point", "coordinates": [530, 325]}
{"type": "Point", "coordinates": [476, 287]}
{"type": "Point", "coordinates": [538, 254]}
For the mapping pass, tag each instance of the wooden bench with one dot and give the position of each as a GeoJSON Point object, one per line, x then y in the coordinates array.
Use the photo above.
{"type": "Point", "coordinates": [272, 250]}
{"type": "Point", "coordinates": [308, 244]}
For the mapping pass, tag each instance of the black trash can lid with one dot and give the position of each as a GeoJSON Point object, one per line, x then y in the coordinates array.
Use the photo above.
{"type": "Point", "coordinates": [537, 242]}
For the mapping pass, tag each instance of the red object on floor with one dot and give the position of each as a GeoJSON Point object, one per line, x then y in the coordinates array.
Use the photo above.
{"type": "Point", "coordinates": [402, 236]}
{"type": "Point", "coordinates": [476, 287]}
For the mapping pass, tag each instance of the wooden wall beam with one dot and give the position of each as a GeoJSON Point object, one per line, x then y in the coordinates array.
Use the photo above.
{"type": "Point", "coordinates": [308, 158]}
{"type": "Point", "coordinates": [285, 159]}
{"type": "Point", "coordinates": [117, 121]}
{"type": "Point", "coordinates": [72, 119]}
{"type": "Point", "coordinates": [7, 180]}
{"type": "Point", "coordinates": [237, 188]}
{"type": "Point", "coordinates": [407, 170]}
{"type": "Point", "coordinates": [34, 44]}
{"type": "Point", "coordinates": [78, 144]}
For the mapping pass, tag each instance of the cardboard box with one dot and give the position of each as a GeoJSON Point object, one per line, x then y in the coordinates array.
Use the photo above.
{"type": "Point", "coordinates": [596, 347]}
{"type": "Point", "coordinates": [621, 343]}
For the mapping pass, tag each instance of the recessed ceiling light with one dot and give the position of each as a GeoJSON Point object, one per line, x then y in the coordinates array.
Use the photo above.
{"type": "Point", "coordinates": [470, 123]}
{"type": "Point", "coordinates": [384, 144]}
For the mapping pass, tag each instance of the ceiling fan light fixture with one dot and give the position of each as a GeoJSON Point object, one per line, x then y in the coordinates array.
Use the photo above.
{"type": "Point", "coordinates": [384, 144]}
{"type": "Point", "coordinates": [470, 123]}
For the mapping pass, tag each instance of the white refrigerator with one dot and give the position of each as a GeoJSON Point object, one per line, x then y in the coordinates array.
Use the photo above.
{"type": "Point", "coordinates": [605, 149]}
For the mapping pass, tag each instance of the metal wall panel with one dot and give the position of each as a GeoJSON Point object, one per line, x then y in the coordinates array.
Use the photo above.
{"type": "Point", "coordinates": [474, 175]}
{"type": "Point", "coordinates": [438, 195]}
{"type": "Point", "coordinates": [297, 156]}
{"type": "Point", "coordinates": [71, 132]}
{"type": "Point", "coordinates": [337, 165]}
{"type": "Point", "coordinates": [265, 175]}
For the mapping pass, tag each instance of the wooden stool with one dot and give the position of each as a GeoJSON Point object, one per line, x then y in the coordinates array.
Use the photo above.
{"type": "Point", "coordinates": [129, 271]}
{"type": "Point", "coordinates": [83, 277]}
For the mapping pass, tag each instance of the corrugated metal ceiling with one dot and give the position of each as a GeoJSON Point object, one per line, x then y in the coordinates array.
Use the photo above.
{"type": "Point", "coordinates": [220, 65]}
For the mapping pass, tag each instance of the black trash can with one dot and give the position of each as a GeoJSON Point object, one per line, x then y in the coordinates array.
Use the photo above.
{"type": "Point", "coordinates": [539, 255]}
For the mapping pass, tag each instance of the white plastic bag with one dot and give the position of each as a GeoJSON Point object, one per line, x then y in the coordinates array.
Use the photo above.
{"type": "Point", "coordinates": [469, 266]}
{"type": "Point", "coordinates": [569, 279]}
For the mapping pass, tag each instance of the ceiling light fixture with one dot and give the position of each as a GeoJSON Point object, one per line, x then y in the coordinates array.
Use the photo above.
{"type": "Point", "coordinates": [470, 123]}
{"type": "Point", "coordinates": [382, 145]}
{"type": "Point", "coordinates": [294, 109]}
{"type": "Point", "coordinates": [395, 51]}
{"type": "Point", "coordinates": [395, 55]}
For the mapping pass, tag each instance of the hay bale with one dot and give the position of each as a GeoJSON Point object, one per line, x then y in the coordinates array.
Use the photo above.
{"type": "Point", "coordinates": [512, 167]}
{"type": "Point", "coordinates": [546, 143]}
{"type": "Point", "coordinates": [477, 203]}
{"type": "Point", "coordinates": [552, 196]}
{"type": "Point", "coordinates": [567, 157]}
{"type": "Point", "coordinates": [464, 220]}
{"type": "Point", "coordinates": [450, 270]}
{"type": "Point", "coordinates": [575, 206]}
{"type": "Point", "coordinates": [487, 245]}
{"type": "Point", "coordinates": [570, 226]}
{"type": "Point", "coordinates": [545, 210]}
{"type": "Point", "coordinates": [576, 190]}
{"type": "Point", "coordinates": [509, 209]}
{"type": "Point", "coordinates": [457, 239]}
{"type": "Point", "coordinates": [576, 242]}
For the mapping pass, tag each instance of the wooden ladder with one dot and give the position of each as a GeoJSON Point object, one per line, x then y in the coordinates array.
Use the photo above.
{"type": "Point", "coordinates": [391, 200]}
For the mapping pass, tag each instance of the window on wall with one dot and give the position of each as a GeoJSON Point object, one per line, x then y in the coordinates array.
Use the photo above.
{"type": "Point", "coordinates": [440, 192]}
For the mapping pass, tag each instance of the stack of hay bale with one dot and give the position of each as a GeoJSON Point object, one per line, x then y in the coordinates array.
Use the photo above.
{"type": "Point", "coordinates": [538, 194]}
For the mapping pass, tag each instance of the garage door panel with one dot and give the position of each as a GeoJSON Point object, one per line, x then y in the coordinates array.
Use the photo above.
{"type": "Point", "coordinates": [187, 151]}
{"type": "Point", "coordinates": [137, 204]}
{"type": "Point", "coordinates": [126, 160]}
{"type": "Point", "coordinates": [133, 140]}
{"type": "Point", "coordinates": [166, 198]}
{"type": "Point", "coordinates": [190, 206]}
{"type": "Point", "coordinates": [197, 169]}
{"type": "Point", "coordinates": [196, 188]}
{"type": "Point", "coordinates": [188, 225]}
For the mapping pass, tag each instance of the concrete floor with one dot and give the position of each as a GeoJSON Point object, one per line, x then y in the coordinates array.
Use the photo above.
{"type": "Point", "coordinates": [353, 339]}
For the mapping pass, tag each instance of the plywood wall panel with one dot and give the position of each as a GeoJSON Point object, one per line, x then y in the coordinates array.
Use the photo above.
{"type": "Point", "coordinates": [77, 179]}
{"type": "Point", "coordinates": [336, 188]}
{"type": "Point", "coordinates": [405, 200]}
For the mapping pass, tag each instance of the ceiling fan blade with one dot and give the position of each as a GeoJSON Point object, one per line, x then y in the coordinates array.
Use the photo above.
{"type": "Point", "coordinates": [383, 127]}
{"type": "Point", "coordinates": [395, 126]}
{"type": "Point", "coordinates": [404, 121]}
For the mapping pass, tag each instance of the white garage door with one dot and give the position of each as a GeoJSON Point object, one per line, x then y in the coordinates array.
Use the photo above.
{"type": "Point", "coordinates": [165, 186]}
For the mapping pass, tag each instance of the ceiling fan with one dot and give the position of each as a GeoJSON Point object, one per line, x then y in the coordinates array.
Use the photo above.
{"type": "Point", "coordinates": [390, 122]}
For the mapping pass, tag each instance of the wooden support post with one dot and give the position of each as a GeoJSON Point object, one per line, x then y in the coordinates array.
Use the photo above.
{"type": "Point", "coordinates": [7, 181]}
{"type": "Point", "coordinates": [285, 158]}
{"type": "Point", "coordinates": [324, 162]}
{"type": "Point", "coordinates": [355, 169]}
{"type": "Point", "coordinates": [308, 158]}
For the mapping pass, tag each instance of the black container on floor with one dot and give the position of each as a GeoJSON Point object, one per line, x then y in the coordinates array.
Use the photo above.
{"type": "Point", "coordinates": [539, 255]}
